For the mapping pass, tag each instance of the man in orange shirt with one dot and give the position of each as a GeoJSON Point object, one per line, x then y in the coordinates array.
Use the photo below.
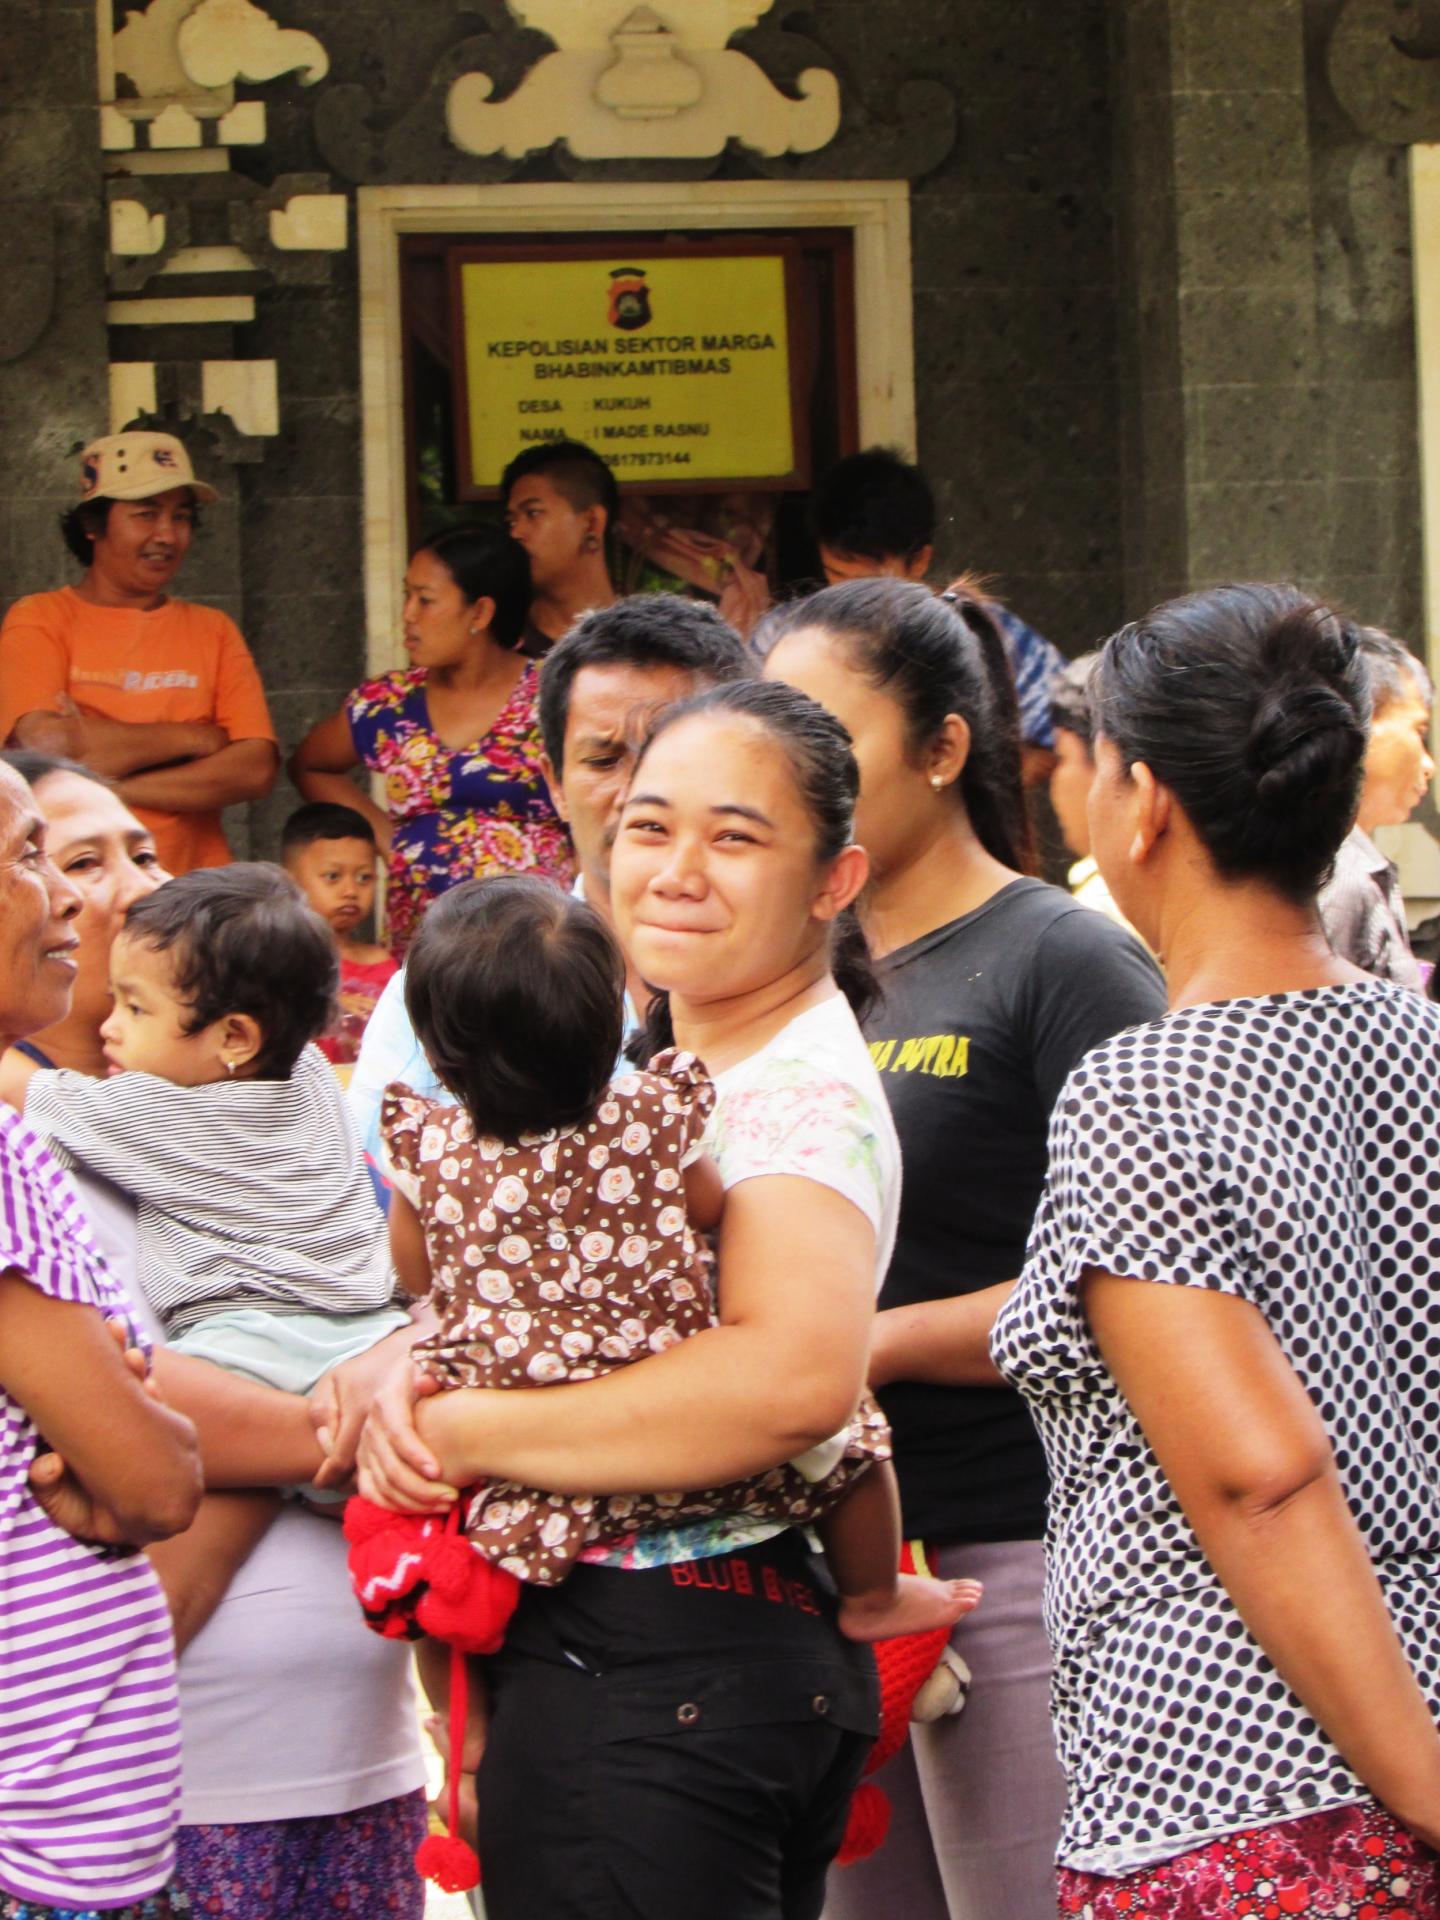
{"type": "Point", "coordinates": [161, 695]}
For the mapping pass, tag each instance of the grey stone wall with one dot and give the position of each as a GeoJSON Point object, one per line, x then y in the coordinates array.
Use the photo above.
{"type": "Point", "coordinates": [52, 280]}
{"type": "Point", "coordinates": [1267, 360]}
{"type": "Point", "coordinates": [1015, 300]}
{"type": "Point", "coordinates": [1163, 320]}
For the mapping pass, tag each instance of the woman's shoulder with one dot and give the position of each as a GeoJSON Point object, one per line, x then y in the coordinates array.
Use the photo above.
{"type": "Point", "coordinates": [43, 1230]}
{"type": "Point", "coordinates": [387, 692]}
{"type": "Point", "coordinates": [54, 611]}
{"type": "Point", "coordinates": [1286, 1047]}
{"type": "Point", "coordinates": [816, 1079]}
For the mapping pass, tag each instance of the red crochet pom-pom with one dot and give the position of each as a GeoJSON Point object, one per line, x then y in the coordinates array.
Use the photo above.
{"type": "Point", "coordinates": [867, 1826]}
{"type": "Point", "coordinates": [363, 1520]}
{"type": "Point", "coordinates": [449, 1862]}
{"type": "Point", "coordinates": [468, 1602]}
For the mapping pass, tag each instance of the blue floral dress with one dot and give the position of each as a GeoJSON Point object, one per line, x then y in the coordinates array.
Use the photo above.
{"type": "Point", "coordinates": [459, 812]}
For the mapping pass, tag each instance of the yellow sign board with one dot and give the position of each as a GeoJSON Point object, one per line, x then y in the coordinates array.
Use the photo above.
{"type": "Point", "coordinates": [674, 366]}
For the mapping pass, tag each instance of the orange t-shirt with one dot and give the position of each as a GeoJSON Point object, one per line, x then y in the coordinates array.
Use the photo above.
{"type": "Point", "coordinates": [179, 662]}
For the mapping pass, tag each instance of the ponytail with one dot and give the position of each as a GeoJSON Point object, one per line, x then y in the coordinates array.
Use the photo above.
{"type": "Point", "coordinates": [992, 781]}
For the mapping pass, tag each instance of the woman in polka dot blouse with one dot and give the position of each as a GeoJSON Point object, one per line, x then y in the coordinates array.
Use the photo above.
{"type": "Point", "coordinates": [1243, 1588]}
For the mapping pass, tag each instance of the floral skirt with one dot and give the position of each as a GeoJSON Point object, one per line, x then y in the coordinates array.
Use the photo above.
{"type": "Point", "coordinates": [160, 1906]}
{"type": "Point", "coordinates": [359, 1864]}
{"type": "Point", "coordinates": [1353, 1863]}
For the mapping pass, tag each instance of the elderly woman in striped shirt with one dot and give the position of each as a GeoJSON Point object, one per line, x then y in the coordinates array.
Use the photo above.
{"type": "Point", "coordinates": [89, 1724]}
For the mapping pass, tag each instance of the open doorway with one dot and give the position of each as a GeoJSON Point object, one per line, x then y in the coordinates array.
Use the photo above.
{"type": "Point", "coordinates": [764, 520]}
{"type": "Point", "coordinates": [872, 217]}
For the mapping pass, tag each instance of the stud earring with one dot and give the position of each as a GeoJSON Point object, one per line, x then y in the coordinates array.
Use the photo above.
{"type": "Point", "coordinates": [230, 1068]}
{"type": "Point", "coordinates": [937, 781]}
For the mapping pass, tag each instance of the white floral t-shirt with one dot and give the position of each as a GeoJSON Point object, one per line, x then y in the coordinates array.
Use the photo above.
{"type": "Point", "coordinates": [809, 1104]}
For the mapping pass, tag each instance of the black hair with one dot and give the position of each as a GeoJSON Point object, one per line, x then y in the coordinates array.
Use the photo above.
{"type": "Point", "coordinates": [1251, 704]}
{"type": "Point", "coordinates": [85, 523]}
{"type": "Point", "coordinates": [1070, 697]}
{"type": "Point", "coordinates": [876, 505]}
{"type": "Point", "coordinates": [34, 766]}
{"type": "Point", "coordinates": [573, 469]}
{"type": "Point", "coordinates": [243, 940]}
{"type": "Point", "coordinates": [516, 991]}
{"type": "Point", "coordinates": [1394, 671]}
{"type": "Point", "coordinates": [642, 630]}
{"type": "Point", "coordinates": [324, 820]}
{"type": "Point", "coordinates": [827, 780]}
{"type": "Point", "coordinates": [81, 526]}
{"type": "Point", "coordinates": [486, 564]}
{"type": "Point", "coordinates": [935, 655]}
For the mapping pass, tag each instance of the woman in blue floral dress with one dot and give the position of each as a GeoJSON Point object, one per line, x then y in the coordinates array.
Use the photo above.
{"type": "Point", "coordinates": [455, 736]}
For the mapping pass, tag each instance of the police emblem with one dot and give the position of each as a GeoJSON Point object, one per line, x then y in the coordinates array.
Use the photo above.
{"type": "Point", "coordinates": [629, 298]}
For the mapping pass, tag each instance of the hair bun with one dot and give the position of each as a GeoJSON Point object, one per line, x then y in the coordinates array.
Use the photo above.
{"type": "Point", "coordinates": [1304, 740]}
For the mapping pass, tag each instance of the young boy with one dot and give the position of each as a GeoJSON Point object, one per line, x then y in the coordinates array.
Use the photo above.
{"type": "Point", "coordinates": [330, 853]}
{"type": "Point", "coordinates": [260, 1247]}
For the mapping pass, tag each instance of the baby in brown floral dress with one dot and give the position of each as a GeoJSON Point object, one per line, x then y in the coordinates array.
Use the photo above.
{"type": "Point", "coordinates": [557, 1237]}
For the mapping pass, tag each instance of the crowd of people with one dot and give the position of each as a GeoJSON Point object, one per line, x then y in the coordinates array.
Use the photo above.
{"type": "Point", "coordinates": [746, 1259]}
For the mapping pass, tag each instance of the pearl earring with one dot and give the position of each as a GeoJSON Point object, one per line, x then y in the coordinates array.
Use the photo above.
{"type": "Point", "coordinates": [937, 781]}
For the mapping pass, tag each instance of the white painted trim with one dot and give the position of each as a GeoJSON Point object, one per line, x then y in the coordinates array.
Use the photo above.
{"type": "Point", "coordinates": [878, 211]}
{"type": "Point", "coordinates": [174, 310]}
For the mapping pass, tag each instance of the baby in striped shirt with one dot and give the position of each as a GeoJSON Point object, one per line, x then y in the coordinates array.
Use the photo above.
{"type": "Point", "coordinates": [261, 1247]}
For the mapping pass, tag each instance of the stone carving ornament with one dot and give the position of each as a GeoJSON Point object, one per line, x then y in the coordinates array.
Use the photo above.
{"type": "Point", "coordinates": [1384, 65]}
{"type": "Point", "coordinates": [643, 82]}
{"type": "Point", "coordinates": [178, 49]}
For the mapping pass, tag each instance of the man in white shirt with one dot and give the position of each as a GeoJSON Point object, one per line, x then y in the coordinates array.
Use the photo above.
{"type": "Point", "coordinates": [602, 685]}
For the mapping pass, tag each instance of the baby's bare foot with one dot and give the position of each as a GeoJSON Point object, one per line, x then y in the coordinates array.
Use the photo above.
{"type": "Point", "coordinates": [915, 1605]}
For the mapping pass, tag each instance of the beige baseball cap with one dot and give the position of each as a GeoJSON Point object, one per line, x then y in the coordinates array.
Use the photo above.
{"type": "Point", "coordinates": [137, 466]}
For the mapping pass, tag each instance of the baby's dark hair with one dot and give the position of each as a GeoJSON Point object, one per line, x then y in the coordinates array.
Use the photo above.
{"type": "Point", "coordinates": [243, 940]}
{"type": "Point", "coordinates": [324, 820]}
{"type": "Point", "coordinates": [516, 991]}
{"type": "Point", "coordinates": [1251, 703]}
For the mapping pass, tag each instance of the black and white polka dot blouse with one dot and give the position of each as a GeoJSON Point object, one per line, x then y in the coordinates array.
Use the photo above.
{"type": "Point", "coordinates": [1286, 1150]}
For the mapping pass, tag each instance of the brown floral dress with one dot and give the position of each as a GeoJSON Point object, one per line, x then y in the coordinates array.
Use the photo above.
{"type": "Point", "coordinates": [559, 1258]}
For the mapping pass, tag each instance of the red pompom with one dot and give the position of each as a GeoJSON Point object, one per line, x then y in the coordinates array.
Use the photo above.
{"type": "Point", "coordinates": [363, 1519]}
{"type": "Point", "coordinates": [465, 1601]}
{"type": "Point", "coordinates": [449, 1862]}
{"type": "Point", "coordinates": [867, 1826]}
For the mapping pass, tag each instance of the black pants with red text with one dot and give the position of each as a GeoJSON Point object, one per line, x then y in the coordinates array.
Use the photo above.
{"type": "Point", "coordinates": [674, 1744]}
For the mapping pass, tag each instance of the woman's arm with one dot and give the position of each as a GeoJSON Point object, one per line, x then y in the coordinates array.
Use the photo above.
{"type": "Point", "coordinates": [116, 748]}
{"type": "Point", "coordinates": [784, 1372]}
{"type": "Point", "coordinates": [1249, 1461]}
{"type": "Point", "coordinates": [244, 770]}
{"type": "Point", "coordinates": [197, 1566]}
{"type": "Point", "coordinates": [319, 766]}
{"type": "Point", "coordinates": [250, 1436]}
{"type": "Point", "coordinates": [134, 1458]}
{"type": "Point", "coordinates": [944, 1343]}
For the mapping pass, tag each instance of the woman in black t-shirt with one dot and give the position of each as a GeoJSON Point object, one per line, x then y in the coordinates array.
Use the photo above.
{"type": "Point", "coordinates": [994, 986]}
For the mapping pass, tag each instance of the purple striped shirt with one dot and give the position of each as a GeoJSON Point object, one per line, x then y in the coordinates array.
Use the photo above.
{"type": "Point", "coordinates": [89, 1721]}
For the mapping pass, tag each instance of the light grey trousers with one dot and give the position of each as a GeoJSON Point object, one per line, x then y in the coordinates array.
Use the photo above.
{"type": "Point", "coordinates": [977, 1799]}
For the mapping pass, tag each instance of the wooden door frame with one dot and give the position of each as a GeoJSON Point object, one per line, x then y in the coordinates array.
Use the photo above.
{"type": "Point", "coordinates": [877, 211]}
